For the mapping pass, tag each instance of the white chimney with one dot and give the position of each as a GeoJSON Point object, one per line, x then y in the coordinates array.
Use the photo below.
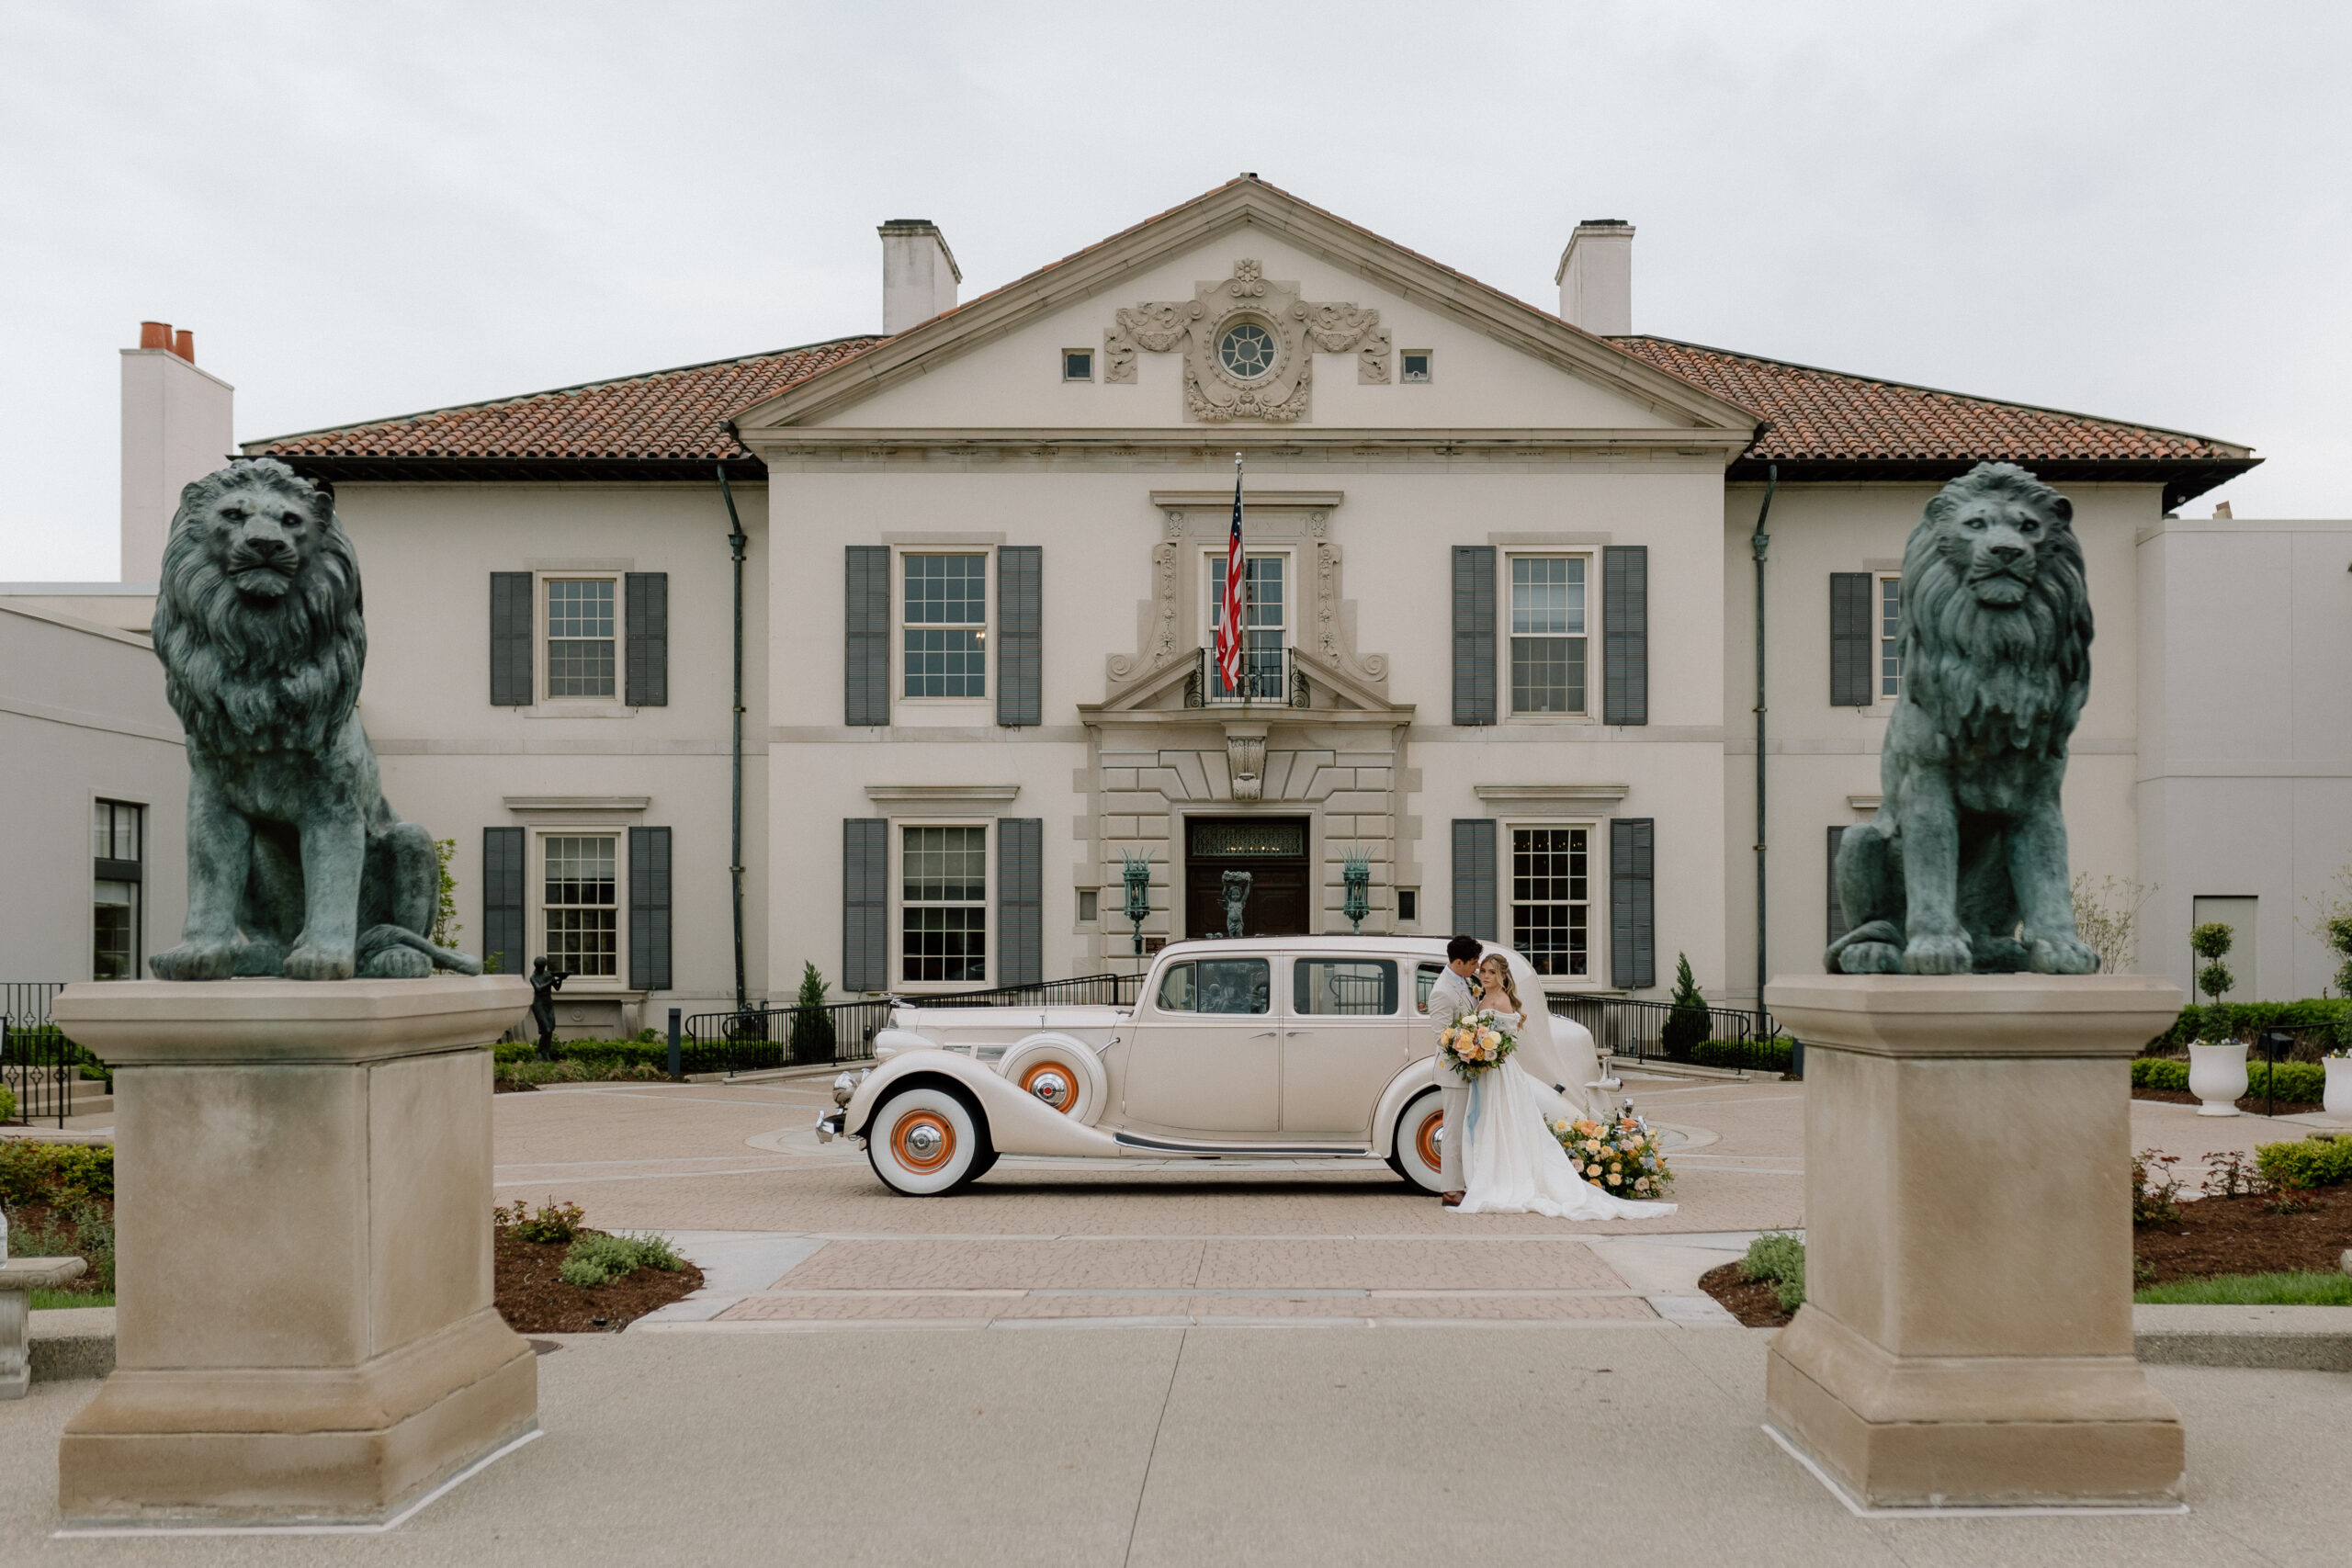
{"type": "Point", "coordinates": [177, 427]}
{"type": "Point", "coordinates": [1596, 277]}
{"type": "Point", "coordinates": [919, 273]}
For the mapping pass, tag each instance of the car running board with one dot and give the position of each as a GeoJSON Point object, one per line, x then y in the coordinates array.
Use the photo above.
{"type": "Point", "coordinates": [1262, 1151]}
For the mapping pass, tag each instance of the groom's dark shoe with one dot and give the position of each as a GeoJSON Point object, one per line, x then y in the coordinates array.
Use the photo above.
{"type": "Point", "coordinates": [1451, 1199]}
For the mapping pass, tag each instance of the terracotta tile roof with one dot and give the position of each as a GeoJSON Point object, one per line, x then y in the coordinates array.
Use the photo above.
{"type": "Point", "coordinates": [1828, 418]}
{"type": "Point", "coordinates": [664, 418]}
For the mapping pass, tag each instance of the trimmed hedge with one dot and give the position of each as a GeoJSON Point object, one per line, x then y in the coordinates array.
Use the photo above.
{"type": "Point", "coordinates": [2297, 1080]}
{"type": "Point", "coordinates": [2313, 1162]}
{"type": "Point", "coordinates": [602, 1055]}
{"type": "Point", "coordinates": [1756, 1055]}
{"type": "Point", "coordinates": [2328, 1018]}
{"type": "Point", "coordinates": [54, 1173]}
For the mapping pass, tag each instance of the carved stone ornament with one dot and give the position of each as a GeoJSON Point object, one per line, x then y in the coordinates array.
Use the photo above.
{"type": "Point", "coordinates": [1248, 346]}
{"type": "Point", "coordinates": [1245, 757]}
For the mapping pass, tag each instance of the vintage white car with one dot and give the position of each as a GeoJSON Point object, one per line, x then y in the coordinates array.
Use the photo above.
{"type": "Point", "coordinates": [1285, 1047]}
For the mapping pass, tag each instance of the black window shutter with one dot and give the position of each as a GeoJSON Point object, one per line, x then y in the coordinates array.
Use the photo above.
{"type": "Point", "coordinates": [1020, 899]}
{"type": "Point", "coordinates": [1836, 911]}
{"type": "Point", "coordinates": [1020, 624]}
{"type": "Point", "coordinates": [1473, 635]}
{"type": "Point", "coordinates": [501, 900]}
{"type": "Point", "coordinates": [647, 616]}
{"type": "Point", "coordinates": [1474, 878]}
{"type": "Point", "coordinates": [510, 640]}
{"type": "Point", "coordinates": [865, 930]}
{"type": "Point", "coordinates": [1632, 919]}
{"type": "Point", "coordinates": [648, 909]}
{"type": "Point", "coordinates": [1625, 634]}
{"type": "Point", "coordinates": [1849, 640]}
{"type": "Point", "coordinates": [867, 696]}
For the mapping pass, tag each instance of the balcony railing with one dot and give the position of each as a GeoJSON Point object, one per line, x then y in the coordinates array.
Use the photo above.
{"type": "Point", "coordinates": [1270, 677]}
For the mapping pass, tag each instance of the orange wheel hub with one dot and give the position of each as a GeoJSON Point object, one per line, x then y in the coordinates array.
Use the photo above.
{"type": "Point", "coordinates": [923, 1141]}
{"type": "Point", "coordinates": [1425, 1140]}
{"type": "Point", "coordinates": [1052, 1083]}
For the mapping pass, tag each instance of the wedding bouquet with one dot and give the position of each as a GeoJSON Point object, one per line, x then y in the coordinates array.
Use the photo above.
{"type": "Point", "coordinates": [1618, 1154]}
{"type": "Point", "coordinates": [1476, 1044]}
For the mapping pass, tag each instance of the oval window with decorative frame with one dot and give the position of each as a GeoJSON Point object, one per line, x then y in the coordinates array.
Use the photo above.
{"type": "Point", "coordinates": [1248, 351]}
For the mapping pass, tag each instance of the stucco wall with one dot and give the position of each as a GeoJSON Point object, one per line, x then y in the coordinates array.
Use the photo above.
{"type": "Point", "coordinates": [82, 718]}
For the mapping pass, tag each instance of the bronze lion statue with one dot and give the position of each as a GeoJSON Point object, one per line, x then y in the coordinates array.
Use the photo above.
{"type": "Point", "coordinates": [1965, 868]}
{"type": "Point", "coordinates": [295, 865]}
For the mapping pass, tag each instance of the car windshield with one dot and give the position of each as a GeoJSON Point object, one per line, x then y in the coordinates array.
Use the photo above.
{"type": "Point", "coordinates": [1218, 985]}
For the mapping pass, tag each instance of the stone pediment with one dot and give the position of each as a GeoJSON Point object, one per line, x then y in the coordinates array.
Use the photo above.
{"type": "Point", "coordinates": [1248, 346]}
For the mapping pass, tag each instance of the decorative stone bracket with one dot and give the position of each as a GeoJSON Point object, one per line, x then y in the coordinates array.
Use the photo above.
{"type": "Point", "coordinates": [1217, 393]}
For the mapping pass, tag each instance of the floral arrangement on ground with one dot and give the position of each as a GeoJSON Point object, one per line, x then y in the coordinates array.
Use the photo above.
{"type": "Point", "coordinates": [1617, 1153]}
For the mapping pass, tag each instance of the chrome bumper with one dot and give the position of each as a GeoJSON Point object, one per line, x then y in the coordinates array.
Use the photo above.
{"type": "Point", "coordinates": [829, 1126]}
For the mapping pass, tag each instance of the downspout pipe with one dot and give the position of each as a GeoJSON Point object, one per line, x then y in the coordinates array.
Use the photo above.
{"type": "Point", "coordinates": [736, 541]}
{"type": "Point", "coordinates": [1760, 543]}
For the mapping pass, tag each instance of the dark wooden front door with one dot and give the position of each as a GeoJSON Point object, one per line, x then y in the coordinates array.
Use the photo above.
{"type": "Point", "coordinates": [1272, 850]}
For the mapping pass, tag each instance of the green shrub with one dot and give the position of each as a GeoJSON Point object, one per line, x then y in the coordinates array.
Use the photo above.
{"type": "Point", "coordinates": [812, 1026]}
{"type": "Point", "coordinates": [54, 1173]}
{"type": "Point", "coordinates": [1689, 1023]}
{"type": "Point", "coordinates": [7, 1105]}
{"type": "Point", "coordinates": [600, 1059]}
{"type": "Point", "coordinates": [2305, 1081]}
{"type": "Point", "coordinates": [1755, 1056]}
{"type": "Point", "coordinates": [2322, 1021]}
{"type": "Point", "coordinates": [554, 1221]}
{"type": "Point", "coordinates": [2156, 1191]}
{"type": "Point", "coordinates": [593, 1260]}
{"type": "Point", "coordinates": [2253, 1290]}
{"type": "Point", "coordinates": [2313, 1162]}
{"type": "Point", "coordinates": [82, 1231]}
{"type": "Point", "coordinates": [1777, 1257]}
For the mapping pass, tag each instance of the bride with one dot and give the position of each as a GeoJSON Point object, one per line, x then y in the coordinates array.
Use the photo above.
{"type": "Point", "coordinates": [1510, 1162]}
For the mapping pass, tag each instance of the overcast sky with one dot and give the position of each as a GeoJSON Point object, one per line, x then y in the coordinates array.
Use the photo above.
{"type": "Point", "coordinates": [2135, 209]}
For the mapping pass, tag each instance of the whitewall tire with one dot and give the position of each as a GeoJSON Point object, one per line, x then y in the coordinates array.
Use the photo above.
{"type": "Point", "coordinates": [1417, 1154]}
{"type": "Point", "coordinates": [1060, 1073]}
{"type": "Point", "coordinates": [925, 1141]}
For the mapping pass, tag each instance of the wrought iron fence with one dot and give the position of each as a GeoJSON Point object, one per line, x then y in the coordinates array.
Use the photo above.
{"type": "Point", "coordinates": [1270, 677]}
{"type": "Point", "coordinates": [1623, 1027]}
{"type": "Point", "coordinates": [38, 1063]}
{"type": "Point", "coordinates": [759, 1039]}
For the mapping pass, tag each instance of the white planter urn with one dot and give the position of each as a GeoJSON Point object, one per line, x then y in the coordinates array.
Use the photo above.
{"type": "Point", "coordinates": [2337, 1099]}
{"type": "Point", "coordinates": [2217, 1077]}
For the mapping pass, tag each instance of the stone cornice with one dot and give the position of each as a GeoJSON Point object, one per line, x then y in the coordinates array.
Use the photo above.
{"type": "Point", "coordinates": [941, 794]}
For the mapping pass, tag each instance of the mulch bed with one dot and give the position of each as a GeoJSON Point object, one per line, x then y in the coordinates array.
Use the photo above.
{"type": "Point", "coordinates": [1756, 1303]}
{"type": "Point", "coordinates": [534, 1300]}
{"type": "Point", "coordinates": [2212, 1236]}
{"type": "Point", "coordinates": [2252, 1105]}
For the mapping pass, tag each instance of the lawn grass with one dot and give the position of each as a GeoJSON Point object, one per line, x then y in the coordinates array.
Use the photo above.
{"type": "Point", "coordinates": [48, 1300]}
{"type": "Point", "coordinates": [2251, 1289]}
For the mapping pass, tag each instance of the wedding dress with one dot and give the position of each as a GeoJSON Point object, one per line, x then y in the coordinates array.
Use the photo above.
{"type": "Point", "coordinates": [1510, 1162]}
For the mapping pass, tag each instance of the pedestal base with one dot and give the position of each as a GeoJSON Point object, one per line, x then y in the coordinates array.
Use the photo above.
{"type": "Point", "coordinates": [1966, 1337]}
{"type": "Point", "coordinates": [302, 1177]}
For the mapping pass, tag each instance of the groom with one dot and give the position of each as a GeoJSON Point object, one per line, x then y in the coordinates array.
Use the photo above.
{"type": "Point", "coordinates": [1449, 999]}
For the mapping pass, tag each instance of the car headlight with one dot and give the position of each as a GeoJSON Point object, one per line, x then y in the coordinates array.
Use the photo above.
{"type": "Point", "coordinates": [845, 1088]}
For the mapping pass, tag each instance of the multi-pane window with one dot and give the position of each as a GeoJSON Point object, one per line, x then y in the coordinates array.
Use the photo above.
{"type": "Point", "coordinates": [1548, 635]}
{"type": "Point", "coordinates": [580, 638]}
{"type": "Point", "coordinates": [584, 904]}
{"type": "Point", "coordinates": [946, 629]}
{"type": "Point", "coordinates": [1550, 912]}
{"type": "Point", "coordinates": [1890, 636]}
{"type": "Point", "coordinates": [1263, 623]}
{"type": "Point", "coordinates": [117, 855]}
{"type": "Point", "coordinates": [942, 904]}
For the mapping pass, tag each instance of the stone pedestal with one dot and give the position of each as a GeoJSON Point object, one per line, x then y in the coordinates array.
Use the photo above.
{"type": "Point", "coordinates": [302, 1182]}
{"type": "Point", "coordinates": [1966, 1337]}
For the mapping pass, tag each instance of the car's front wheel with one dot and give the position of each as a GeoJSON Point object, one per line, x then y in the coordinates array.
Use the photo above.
{"type": "Point", "coordinates": [1418, 1152]}
{"type": "Point", "coordinates": [925, 1141]}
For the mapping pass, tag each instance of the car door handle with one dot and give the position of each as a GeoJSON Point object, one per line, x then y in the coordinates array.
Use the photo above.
{"type": "Point", "coordinates": [1263, 1035]}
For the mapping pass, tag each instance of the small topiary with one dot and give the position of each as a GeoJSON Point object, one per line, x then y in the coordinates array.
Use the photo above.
{"type": "Point", "coordinates": [2211, 942]}
{"type": "Point", "coordinates": [812, 1026]}
{"type": "Point", "coordinates": [1690, 1021]}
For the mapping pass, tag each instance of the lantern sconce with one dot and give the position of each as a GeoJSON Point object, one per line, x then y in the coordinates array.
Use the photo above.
{"type": "Point", "coordinates": [1355, 874]}
{"type": "Point", "coordinates": [1136, 873]}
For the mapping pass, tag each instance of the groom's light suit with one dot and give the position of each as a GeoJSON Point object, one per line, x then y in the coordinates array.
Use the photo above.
{"type": "Point", "coordinates": [1449, 999]}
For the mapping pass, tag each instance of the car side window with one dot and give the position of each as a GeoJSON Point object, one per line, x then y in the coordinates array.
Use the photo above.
{"type": "Point", "coordinates": [1236, 985]}
{"type": "Point", "coordinates": [1344, 987]}
{"type": "Point", "coordinates": [1176, 991]}
{"type": "Point", "coordinates": [1424, 981]}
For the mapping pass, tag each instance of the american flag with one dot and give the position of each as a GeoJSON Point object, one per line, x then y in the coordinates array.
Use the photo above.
{"type": "Point", "coordinates": [1228, 625]}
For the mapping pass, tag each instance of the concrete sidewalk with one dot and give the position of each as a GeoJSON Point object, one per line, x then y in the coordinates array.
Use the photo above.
{"type": "Point", "coordinates": [1177, 1447]}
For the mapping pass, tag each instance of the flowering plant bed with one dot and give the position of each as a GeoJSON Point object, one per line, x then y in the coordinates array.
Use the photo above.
{"type": "Point", "coordinates": [539, 1257]}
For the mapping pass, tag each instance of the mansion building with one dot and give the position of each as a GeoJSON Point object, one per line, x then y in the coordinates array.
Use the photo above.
{"type": "Point", "coordinates": [1503, 625]}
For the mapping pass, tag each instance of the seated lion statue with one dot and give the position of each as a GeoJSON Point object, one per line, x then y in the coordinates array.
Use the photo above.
{"type": "Point", "coordinates": [295, 865]}
{"type": "Point", "coordinates": [1965, 868]}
